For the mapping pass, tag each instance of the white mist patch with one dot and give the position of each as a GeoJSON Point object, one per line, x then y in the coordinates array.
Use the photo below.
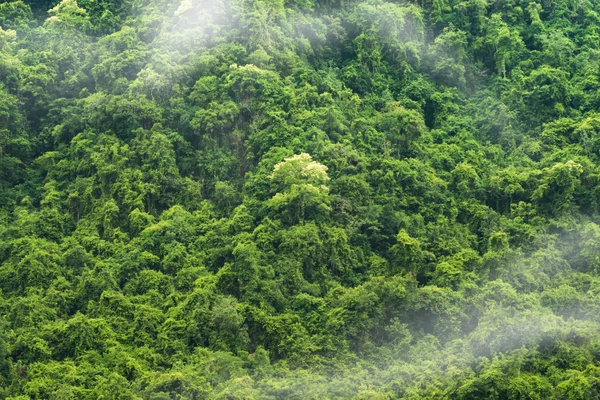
{"type": "Point", "coordinates": [513, 323]}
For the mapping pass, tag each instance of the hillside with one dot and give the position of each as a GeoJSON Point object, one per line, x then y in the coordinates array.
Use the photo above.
{"type": "Point", "coordinates": [299, 199]}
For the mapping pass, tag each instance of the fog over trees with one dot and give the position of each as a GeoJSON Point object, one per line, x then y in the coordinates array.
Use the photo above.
{"type": "Point", "coordinates": [299, 199]}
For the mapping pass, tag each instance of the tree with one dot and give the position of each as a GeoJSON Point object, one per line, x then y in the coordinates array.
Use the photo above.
{"type": "Point", "coordinates": [402, 126]}
{"type": "Point", "coordinates": [449, 58]}
{"type": "Point", "coordinates": [67, 15]}
{"type": "Point", "coordinates": [301, 191]}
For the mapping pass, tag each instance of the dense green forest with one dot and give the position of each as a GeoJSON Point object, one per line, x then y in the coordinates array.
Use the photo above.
{"type": "Point", "coordinates": [299, 199]}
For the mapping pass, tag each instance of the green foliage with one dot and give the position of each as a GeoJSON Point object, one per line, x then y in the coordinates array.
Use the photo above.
{"type": "Point", "coordinates": [303, 199]}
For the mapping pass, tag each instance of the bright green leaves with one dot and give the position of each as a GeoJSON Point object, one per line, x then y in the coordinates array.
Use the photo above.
{"type": "Point", "coordinates": [6, 37]}
{"type": "Point", "coordinates": [31, 263]}
{"type": "Point", "coordinates": [155, 153]}
{"type": "Point", "coordinates": [104, 15]}
{"type": "Point", "coordinates": [120, 56]}
{"type": "Point", "coordinates": [69, 15]}
{"type": "Point", "coordinates": [248, 270]}
{"type": "Point", "coordinates": [15, 146]}
{"type": "Point", "coordinates": [80, 334]}
{"type": "Point", "coordinates": [388, 40]}
{"type": "Point", "coordinates": [15, 15]}
{"type": "Point", "coordinates": [392, 23]}
{"type": "Point", "coordinates": [303, 192]}
{"type": "Point", "coordinates": [449, 58]}
{"type": "Point", "coordinates": [557, 187]}
{"type": "Point", "coordinates": [9, 64]}
{"type": "Point", "coordinates": [258, 21]}
{"type": "Point", "coordinates": [507, 44]}
{"type": "Point", "coordinates": [217, 119]}
{"type": "Point", "coordinates": [256, 89]}
{"type": "Point", "coordinates": [201, 197]}
{"type": "Point", "coordinates": [407, 254]}
{"type": "Point", "coordinates": [227, 323]}
{"type": "Point", "coordinates": [401, 126]}
{"type": "Point", "coordinates": [299, 169]}
{"type": "Point", "coordinates": [466, 181]}
{"type": "Point", "coordinates": [547, 94]}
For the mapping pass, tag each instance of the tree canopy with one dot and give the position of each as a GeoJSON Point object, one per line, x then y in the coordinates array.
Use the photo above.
{"type": "Point", "coordinates": [299, 199]}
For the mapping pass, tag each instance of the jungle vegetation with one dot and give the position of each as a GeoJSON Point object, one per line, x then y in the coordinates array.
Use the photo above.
{"type": "Point", "coordinates": [299, 199]}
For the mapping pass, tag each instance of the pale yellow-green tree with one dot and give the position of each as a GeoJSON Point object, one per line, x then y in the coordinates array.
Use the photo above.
{"type": "Point", "coordinates": [301, 190]}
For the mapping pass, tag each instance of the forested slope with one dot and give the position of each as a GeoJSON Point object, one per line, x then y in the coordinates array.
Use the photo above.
{"type": "Point", "coordinates": [299, 199]}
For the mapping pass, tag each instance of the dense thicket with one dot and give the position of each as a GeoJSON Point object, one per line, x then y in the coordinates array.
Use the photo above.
{"type": "Point", "coordinates": [300, 199]}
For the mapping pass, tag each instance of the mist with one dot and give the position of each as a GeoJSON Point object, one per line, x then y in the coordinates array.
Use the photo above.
{"type": "Point", "coordinates": [299, 199]}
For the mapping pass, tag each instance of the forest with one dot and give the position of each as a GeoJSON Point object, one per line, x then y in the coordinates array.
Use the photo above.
{"type": "Point", "coordinates": [299, 199]}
